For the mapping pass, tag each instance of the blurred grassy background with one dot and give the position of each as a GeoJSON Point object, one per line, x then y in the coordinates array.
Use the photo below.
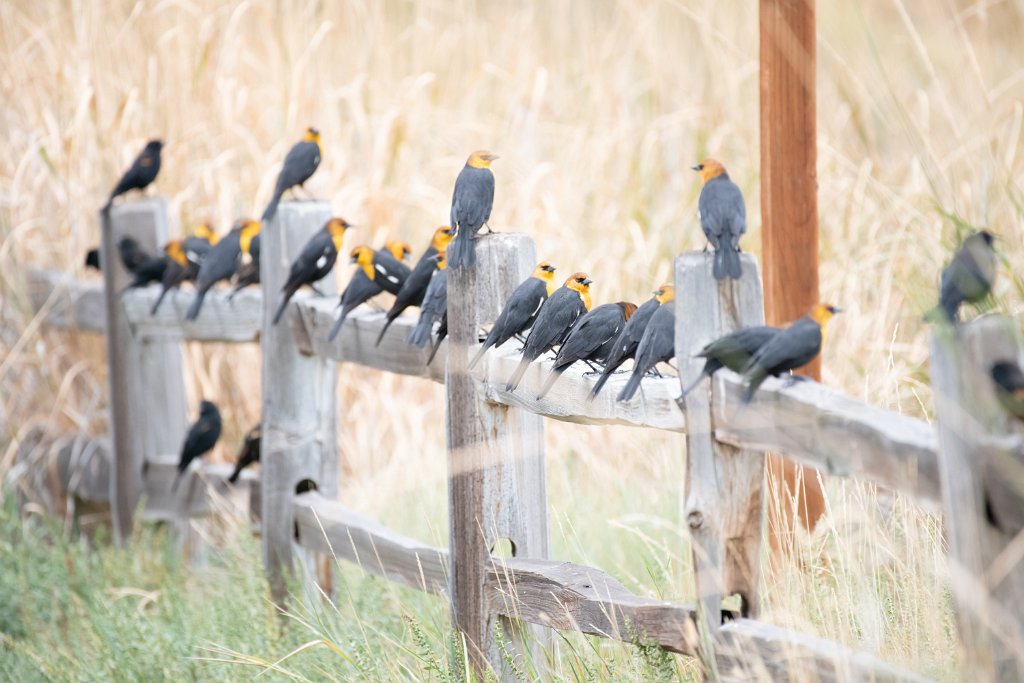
{"type": "Point", "coordinates": [597, 110]}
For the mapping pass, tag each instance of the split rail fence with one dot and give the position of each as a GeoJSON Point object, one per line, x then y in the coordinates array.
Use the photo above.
{"type": "Point", "coordinates": [496, 465]}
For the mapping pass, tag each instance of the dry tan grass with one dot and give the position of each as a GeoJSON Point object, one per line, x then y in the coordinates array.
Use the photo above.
{"type": "Point", "coordinates": [598, 110]}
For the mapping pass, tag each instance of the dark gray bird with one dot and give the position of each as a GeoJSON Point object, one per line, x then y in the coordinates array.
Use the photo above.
{"type": "Point", "coordinates": [434, 305]}
{"type": "Point", "coordinates": [248, 273]}
{"type": "Point", "coordinates": [389, 266]}
{"type": "Point", "coordinates": [415, 286]}
{"type": "Point", "coordinates": [376, 268]}
{"type": "Point", "coordinates": [221, 261]}
{"type": "Point", "coordinates": [1009, 385]}
{"type": "Point", "coordinates": [299, 165]}
{"type": "Point", "coordinates": [471, 207]}
{"type": "Point", "coordinates": [723, 217]}
{"type": "Point", "coordinates": [732, 351]}
{"type": "Point", "coordinates": [520, 310]}
{"type": "Point", "coordinates": [968, 277]}
{"type": "Point", "coordinates": [658, 345]}
{"type": "Point", "coordinates": [250, 452]}
{"type": "Point", "coordinates": [145, 268]}
{"type": "Point", "coordinates": [202, 437]}
{"type": "Point", "coordinates": [141, 173]}
{"type": "Point", "coordinates": [315, 260]}
{"type": "Point", "coordinates": [184, 257]}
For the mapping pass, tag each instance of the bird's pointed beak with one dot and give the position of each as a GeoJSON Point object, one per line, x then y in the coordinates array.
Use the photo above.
{"type": "Point", "coordinates": [695, 168]}
{"type": "Point", "coordinates": [587, 281]}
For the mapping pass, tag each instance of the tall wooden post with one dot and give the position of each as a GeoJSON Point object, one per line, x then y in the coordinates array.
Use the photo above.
{"type": "Point", "coordinates": [496, 481]}
{"type": "Point", "coordinates": [789, 205]}
{"type": "Point", "coordinates": [147, 392]}
{"type": "Point", "coordinates": [299, 405]}
{"type": "Point", "coordinates": [724, 503]}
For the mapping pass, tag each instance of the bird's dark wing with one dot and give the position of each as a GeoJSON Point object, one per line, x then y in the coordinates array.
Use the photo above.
{"type": "Point", "coordinates": [658, 342]}
{"type": "Point", "coordinates": [472, 199]}
{"type": "Point", "coordinates": [221, 262]}
{"type": "Point", "coordinates": [791, 348]}
{"type": "Point", "coordinates": [594, 330]}
{"type": "Point", "coordinates": [557, 316]}
{"type": "Point", "coordinates": [299, 164]}
{"type": "Point", "coordinates": [722, 211]}
{"type": "Point", "coordinates": [520, 310]}
{"type": "Point", "coordinates": [390, 272]}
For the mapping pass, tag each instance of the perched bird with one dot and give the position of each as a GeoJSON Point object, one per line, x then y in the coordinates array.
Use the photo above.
{"type": "Point", "coordinates": [315, 260]}
{"type": "Point", "coordinates": [376, 268]}
{"type": "Point", "coordinates": [92, 259]}
{"type": "Point", "coordinates": [591, 340]}
{"type": "Point", "coordinates": [150, 270]}
{"type": "Point", "coordinates": [968, 277]}
{"type": "Point", "coordinates": [625, 346]}
{"type": "Point", "coordinates": [554, 322]}
{"type": "Point", "coordinates": [723, 217]}
{"type": "Point", "coordinates": [248, 270]}
{"type": "Point", "coordinates": [415, 286]}
{"type": "Point", "coordinates": [442, 332]}
{"type": "Point", "coordinates": [1009, 386]}
{"type": "Point", "coordinates": [521, 309]}
{"type": "Point", "coordinates": [141, 173]}
{"type": "Point", "coordinates": [202, 437]}
{"type": "Point", "coordinates": [184, 257]}
{"type": "Point", "coordinates": [658, 345]}
{"type": "Point", "coordinates": [388, 263]}
{"type": "Point", "coordinates": [250, 452]}
{"type": "Point", "coordinates": [434, 306]}
{"type": "Point", "coordinates": [132, 255]}
{"type": "Point", "coordinates": [732, 351]}
{"type": "Point", "coordinates": [299, 164]}
{"type": "Point", "coordinates": [471, 207]}
{"type": "Point", "coordinates": [793, 347]}
{"type": "Point", "coordinates": [222, 261]}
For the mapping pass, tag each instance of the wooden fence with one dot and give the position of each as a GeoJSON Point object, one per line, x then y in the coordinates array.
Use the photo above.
{"type": "Point", "coordinates": [496, 455]}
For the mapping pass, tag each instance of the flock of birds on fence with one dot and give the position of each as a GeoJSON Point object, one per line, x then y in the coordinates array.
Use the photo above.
{"type": "Point", "coordinates": [542, 317]}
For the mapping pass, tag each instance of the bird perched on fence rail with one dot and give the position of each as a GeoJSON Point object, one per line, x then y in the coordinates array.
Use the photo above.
{"type": "Point", "coordinates": [222, 261]}
{"type": "Point", "coordinates": [791, 348]}
{"type": "Point", "coordinates": [555, 321]}
{"type": "Point", "coordinates": [968, 277]}
{"type": "Point", "coordinates": [590, 340]}
{"type": "Point", "coordinates": [434, 306]}
{"type": "Point", "coordinates": [315, 260]}
{"type": "Point", "coordinates": [520, 310]}
{"type": "Point", "coordinates": [202, 437]}
{"type": "Point", "coordinates": [723, 218]}
{"type": "Point", "coordinates": [471, 207]}
{"type": "Point", "coordinates": [299, 165]}
{"type": "Point", "coordinates": [250, 452]}
{"type": "Point", "coordinates": [248, 272]}
{"type": "Point", "coordinates": [145, 268]}
{"type": "Point", "coordinates": [658, 344]}
{"type": "Point", "coordinates": [389, 265]}
{"type": "Point", "coordinates": [378, 271]}
{"type": "Point", "coordinates": [184, 258]}
{"type": "Point", "coordinates": [732, 351]}
{"type": "Point", "coordinates": [140, 174]}
{"type": "Point", "coordinates": [625, 346]}
{"type": "Point", "coordinates": [415, 286]}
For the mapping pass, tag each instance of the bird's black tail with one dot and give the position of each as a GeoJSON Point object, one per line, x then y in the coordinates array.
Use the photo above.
{"type": "Point", "coordinates": [631, 386]}
{"type": "Point", "coordinates": [550, 382]}
{"type": "Point", "coordinates": [517, 376]}
{"type": "Point", "coordinates": [433, 351]}
{"type": "Point", "coordinates": [479, 354]}
{"type": "Point", "coordinates": [752, 386]}
{"type": "Point", "coordinates": [727, 262]}
{"type": "Point", "coordinates": [609, 368]}
{"type": "Point", "coordinates": [177, 480]}
{"type": "Point", "coordinates": [239, 466]}
{"type": "Point", "coordinates": [461, 252]}
{"type": "Point", "coordinates": [420, 334]}
{"type": "Point", "coordinates": [197, 305]}
{"type": "Point", "coordinates": [288, 294]}
{"type": "Point", "coordinates": [337, 324]}
{"type": "Point", "coordinates": [387, 324]}
{"type": "Point", "coordinates": [268, 213]}
{"type": "Point", "coordinates": [159, 299]}
{"type": "Point", "coordinates": [711, 366]}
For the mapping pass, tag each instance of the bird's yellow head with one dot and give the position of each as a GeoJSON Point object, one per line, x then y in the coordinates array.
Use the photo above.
{"type": "Point", "coordinates": [709, 169]}
{"type": "Point", "coordinates": [628, 309]}
{"type": "Point", "coordinates": [205, 231]}
{"type": "Point", "coordinates": [312, 134]}
{"type": "Point", "coordinates": [481, 159]}
{"type": "Point", "coordinates": [442, 236]}
{"type": "Point", "coordinates": [247, 229]}
{"type": "Point", "coordinates": [665, 293]}
{"type": "Point", "coordinates": [363, 257]}
{"type": "Point", "coordinates": [579, 282]}
{"type": "Point", "coordinates": [176, 252]}
{"type": "Point", "coordinates": [399, 249]}
{"type": "Point", "coordinates": [442, 260]}
{"type": "Point", "coordinates": [545, 272]}
{"type": "Point", "coordinates": [336, 228]}
{"type": "Point", "coordinates": [821, 314]}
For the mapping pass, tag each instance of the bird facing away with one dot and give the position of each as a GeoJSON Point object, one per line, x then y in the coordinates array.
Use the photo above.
{"type": "Point", "coordinates": [315, 260]}
{"type": "Point", "coordinates": [471, 207]}
{"type": "Point", "coordinates": [415, 286]}
{"type": "Point", "coordinates": [299, 164]}
{"type": "Point", "coordinates": [131, 254]}
{"type": "Point", "coordinates": [521, 309]}
{"type": "Point", "coordinates": [591, 340]}
{"type": "Point", "coordinates": [145, 268]}
{"type": "Point", "coordinates": [723, 218]}
{"type": "Point", "coordinates": [248, 272]}
{"type": "Point", "coordinates": [560, 312]}
{"type": "Point", "coordinates": [434, 305]}
{"type": "Point", "coordinates": [141, 173]}
{"type": "Point", "coordinates": [628, 340]}
{"type": "Point", "coordinates": [202, 437]}
{"type": "Point", "coordinates": [250, 452]}
{"type": "Point", "coordinates": [792, 348]}
{"type": "Point", "coordinates": [222, 261]}
{"type": "Point", "coordinates": [732, 351]}
{"type": "Point", "coordinates": [1009, 386]}
{"type": "Point", "coordinates": [968, 277]}
{"type": "Point", "coordinates": [658, 344]}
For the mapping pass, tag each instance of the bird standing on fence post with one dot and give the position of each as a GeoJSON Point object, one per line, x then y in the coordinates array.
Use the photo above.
{"type": "Point", "coordinates": [723, 218]}
{"type": "Point", "coordinates": [471, 207]}
{"type": "Point", "coordinates": [315, 260]}
{"type": "Point", "coordinates": [202, 437]}
{"type": "Point", "coordinates": [968, 277]}
{"type": "Point", "coordinates": [141, 173]}
{"type": "Point", "coordinates": [415, 286]}
{"type": "Point", "coordinates": [658, 345]}
{"type": "Point", "coordinates": [222, 261]}
{"type": "Point", "coordinates": [299, 165]}
{"type": "Point", "coordinates": [520, 310]}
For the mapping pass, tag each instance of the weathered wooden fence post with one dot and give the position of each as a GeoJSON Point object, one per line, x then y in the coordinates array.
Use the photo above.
{"type": "Point", "coordinates": [496, 482]}
{"type": "Point", "coordinates": [147, 392]}
{"type": "Point", "coordinates": [299, 396]}
{"type": "Point", "coordinates": [723, 505]}
{"type": "Point", "coordinates": [982, 470]}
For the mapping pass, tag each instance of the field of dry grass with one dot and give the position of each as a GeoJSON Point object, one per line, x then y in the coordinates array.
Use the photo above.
{"type": "Point", "coordinates": [597, 110]}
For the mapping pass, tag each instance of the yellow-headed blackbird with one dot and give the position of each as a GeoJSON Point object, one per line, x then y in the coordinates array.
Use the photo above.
{"type": "Point", "coordinates": [560, 312]}
{"type": "Point", "coordinates": [591, 339]}
{"type": "Point", "coordinates": [92, 259]}
{"type": "Point", "coordinates": [202, 437]}
{"type": "Point", "coordinates": [968, 277]}
{"type": "Point", "coordinates": [434, 305]}
{"type": "Point", "coordinates": [793, 347]}
{"type": "Point", "coordinates": [183, 260]}
{"type": "Point", "coordinates": [471, 207]}
{"type": "Point", "coordinates": [732, 351]}
{"type": "Point", "coordinates": [625, 346]}
{"type": "Point", "coordinates": [658, 345]}
{"type": "Point", "coordinates": [723, 217]}
{"type": "Point", "coordinates": [250, 452]}
{"type": "Point", "coordinates": [141, 173]}
{"type": "Point", "coordinates": [521, 308]}
{"type": "Point", "coordinates": [314, 262]}
{"type": "Point", "coordinates": [390, 271]}
{"type": "Point", "coordinates": [378, 271]}
{"type": "Point", "coordinates": [248, 270]}
{"type": "Point", "coordinates": [222, 261]}
{"type": "Point", "coordinates": [299, 164]}
{"type": "Point", "coordinates": [1009, 386]}
{"type": "Point", "coordinates": [415, 286]}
